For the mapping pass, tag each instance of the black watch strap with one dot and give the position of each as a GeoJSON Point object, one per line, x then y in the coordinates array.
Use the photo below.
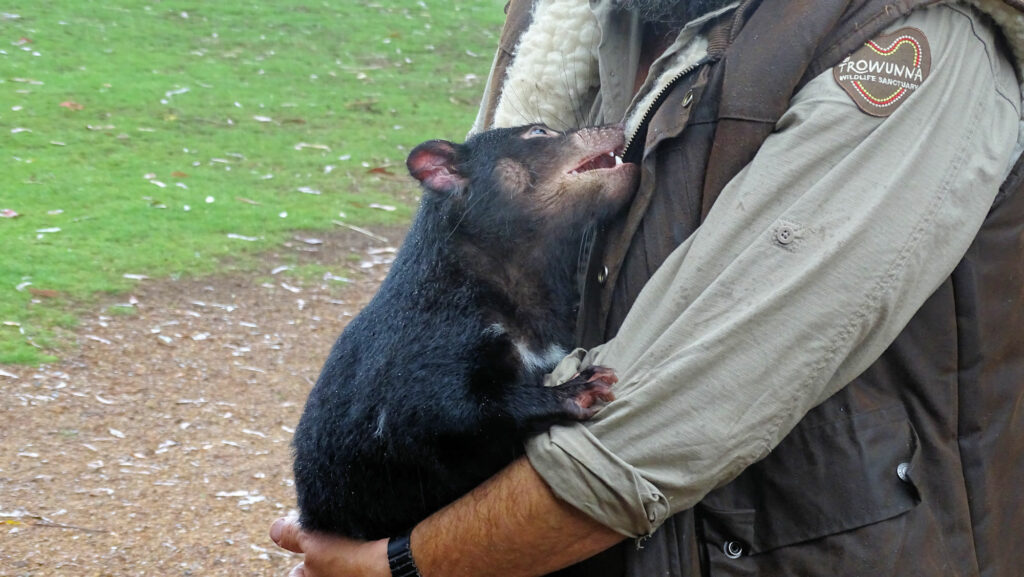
{"type": "Point", "coordinates": [400, 558]}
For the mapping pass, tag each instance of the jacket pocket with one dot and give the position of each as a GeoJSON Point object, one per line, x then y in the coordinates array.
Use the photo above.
{"type": "Point", "coordinates": [825, 478]}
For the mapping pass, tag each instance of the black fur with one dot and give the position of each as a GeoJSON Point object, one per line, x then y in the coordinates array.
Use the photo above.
{"type": "Point", "coordinates": [423, 397]}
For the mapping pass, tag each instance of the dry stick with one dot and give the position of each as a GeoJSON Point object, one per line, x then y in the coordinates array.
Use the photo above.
{"type": "Point", "coordinates": [361, 231]}
{"type": "Point", "coordinates": [41, 522]}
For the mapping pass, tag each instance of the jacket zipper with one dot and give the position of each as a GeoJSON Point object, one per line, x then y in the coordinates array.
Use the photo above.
{"type": "Point", "coordinates": [656, 103]}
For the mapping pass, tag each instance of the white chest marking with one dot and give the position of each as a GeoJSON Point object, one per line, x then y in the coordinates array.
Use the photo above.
{"type": "Point", "coordinates": [542, 361]}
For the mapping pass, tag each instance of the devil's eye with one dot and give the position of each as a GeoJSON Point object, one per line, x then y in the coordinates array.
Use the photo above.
{"type": "Point", "coordinates": [539, 132]}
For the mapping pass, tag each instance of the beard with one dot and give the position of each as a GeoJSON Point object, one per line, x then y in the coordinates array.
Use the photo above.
{"type": "Point", "coordinates": [668, 11]}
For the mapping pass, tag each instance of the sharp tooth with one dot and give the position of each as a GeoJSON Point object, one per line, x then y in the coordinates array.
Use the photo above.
{"type": "Point", "coordinates": [611, 154]}
{"type": "Point", "coordinates": [618, 160]}
{"type": "Point", "coordinates": [574, 172]}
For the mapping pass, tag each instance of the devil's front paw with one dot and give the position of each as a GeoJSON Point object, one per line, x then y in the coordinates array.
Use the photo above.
{"type": "Point", "coordinates": [586, 389]}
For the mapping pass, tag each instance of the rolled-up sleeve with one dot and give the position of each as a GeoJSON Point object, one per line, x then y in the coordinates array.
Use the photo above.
{"type": "Point", "coordinates": [811, 262]}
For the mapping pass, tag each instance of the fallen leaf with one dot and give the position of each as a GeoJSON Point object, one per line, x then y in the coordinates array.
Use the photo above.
{"type": "Point", "coordinates": [364, 105]}
{"type": "Point", "coordinates": [70, 105]}
{"type": "Point", "coordinates": [241, 237]}
{"type": "Point", "coordinates": [380, 170]}
{"type": "Point", "coordinates": [247, 200]}
{"type": "Point", "coordinates": [44, 293]}
{"type": "Point", "coordinates": [302, 145]}
{"type": "Point", "coordinates": [176, 92]}
{"type": "Point", "coordinates": [8, 213]}
{"type": "Point", "coordinates": [179, 174]}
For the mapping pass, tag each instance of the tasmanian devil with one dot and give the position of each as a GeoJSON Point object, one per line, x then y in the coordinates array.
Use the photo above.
{"type": "Point", "coordinates": [433, 387]}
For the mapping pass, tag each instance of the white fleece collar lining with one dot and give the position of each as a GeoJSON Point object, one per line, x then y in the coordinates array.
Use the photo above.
{"type": "Point", "coordinates": [556, 57]}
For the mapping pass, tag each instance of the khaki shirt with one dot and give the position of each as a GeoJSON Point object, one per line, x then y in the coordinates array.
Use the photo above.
{"type": "Point", "coordinates": [810, 263]}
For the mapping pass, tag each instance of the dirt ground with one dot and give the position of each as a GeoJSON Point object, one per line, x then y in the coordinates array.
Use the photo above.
{"type": "Point", "coordinates": [160, 446]}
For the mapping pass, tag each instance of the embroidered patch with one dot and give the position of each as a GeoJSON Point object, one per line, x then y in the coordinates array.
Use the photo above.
{"type": "Point", "coordinates": [886, 71]}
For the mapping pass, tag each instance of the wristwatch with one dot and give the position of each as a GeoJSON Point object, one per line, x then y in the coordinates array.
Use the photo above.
{"type": "Point", "coordinates": [400, 557]}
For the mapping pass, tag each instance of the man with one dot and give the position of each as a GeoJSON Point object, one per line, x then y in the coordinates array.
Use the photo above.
{"type": "Point", "coordinates": [814, 303]}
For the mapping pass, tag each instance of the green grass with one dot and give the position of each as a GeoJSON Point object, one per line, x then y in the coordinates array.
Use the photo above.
{"type": "Point", "coordinates": [233, 106]}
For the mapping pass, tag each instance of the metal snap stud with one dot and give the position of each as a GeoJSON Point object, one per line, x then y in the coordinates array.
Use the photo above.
{"type": "Point", "coordinates": [602, 275]}
{"type": "Point", "coordinates": [732, 549]}
{"type": "Point", "coordinates": [903, 471]}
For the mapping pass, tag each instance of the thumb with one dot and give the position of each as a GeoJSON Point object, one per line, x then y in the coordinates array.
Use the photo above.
{"type": "Point", "coordinates": [286, 533]}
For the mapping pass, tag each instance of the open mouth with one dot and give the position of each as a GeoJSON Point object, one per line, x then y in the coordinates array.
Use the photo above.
{"type": "Point", "coordinates": [604, 160]}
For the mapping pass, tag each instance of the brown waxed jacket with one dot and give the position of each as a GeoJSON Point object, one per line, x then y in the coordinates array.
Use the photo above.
{"type": "Point", "coordinates": [947, 398]}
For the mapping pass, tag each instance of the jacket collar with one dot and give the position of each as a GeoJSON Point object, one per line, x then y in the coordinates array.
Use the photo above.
{"type": "Point", "coordinates": [572, 47]}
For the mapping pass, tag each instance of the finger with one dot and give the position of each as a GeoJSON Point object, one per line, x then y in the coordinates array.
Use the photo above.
{"type": "Point", "coordinates": [285, 532]}
{"type": "Point", "coordinates": [298, 571]}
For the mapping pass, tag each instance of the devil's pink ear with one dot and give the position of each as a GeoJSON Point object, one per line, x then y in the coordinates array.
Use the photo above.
{"type": "Point", "coordinates": [433, 164]}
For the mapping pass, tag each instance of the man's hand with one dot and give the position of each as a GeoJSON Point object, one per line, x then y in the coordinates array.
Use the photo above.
{"type": "Point", "coordinates": [329, 556]}
{"type": "Point", "coordinates": [512, 525]}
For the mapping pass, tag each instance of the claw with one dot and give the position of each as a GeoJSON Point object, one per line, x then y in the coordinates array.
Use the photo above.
{"type": "Point", "coordinates": [593, 385]}
{"type": "Point", "coordinates": [603, 374]}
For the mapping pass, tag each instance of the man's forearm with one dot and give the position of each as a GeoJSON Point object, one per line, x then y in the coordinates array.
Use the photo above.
{"type": "Point", "coordinates": [512, 525]}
